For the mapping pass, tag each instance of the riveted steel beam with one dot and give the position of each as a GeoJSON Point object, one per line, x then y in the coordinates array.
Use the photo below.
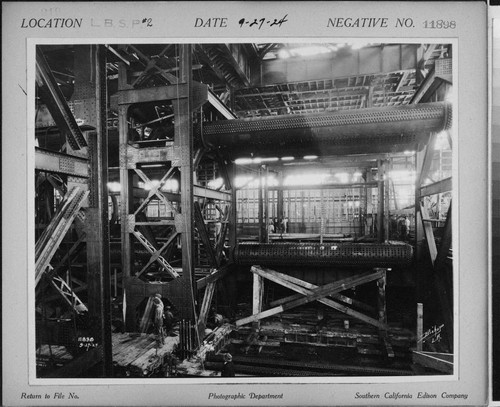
{"type": "Point", "coordinates": [376, 130]}
{"type": "Point", "coordinates": [324, 254]}
{"type": "Point", "coordinates": [51, 161]}
{"type": "Point", "coordinates": [58, 107]}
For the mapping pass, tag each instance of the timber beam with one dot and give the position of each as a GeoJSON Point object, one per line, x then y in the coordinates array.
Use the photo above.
{"type": "Point", "coordinates": [311, 295]}
{"type": "Point", "coordinates": [438, 187]}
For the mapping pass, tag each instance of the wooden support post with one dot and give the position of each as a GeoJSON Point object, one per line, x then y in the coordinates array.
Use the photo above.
{"type": "Point", "coordinates": [420, 325]}
{"type": "Point", "coordinates": [205, 306]}
{"type": "Point", "coordinates": [429, 233]}
{"type": "Point", "coordinates": [258, 295]}
{"type": "Point", "coordinates": [381, 283]}
{"type": "Point", "coordinates": [146, 317]}
{"type": "Point", "coordinates": [382, 313]}
{"type": "Point", "coordinates": [446, 242]}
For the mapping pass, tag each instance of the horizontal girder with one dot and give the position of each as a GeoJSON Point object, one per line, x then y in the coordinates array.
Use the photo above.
{"type": "Point", "coordinates": [376, 130]}
{"type": "Point", "coordinates": [324, 254]}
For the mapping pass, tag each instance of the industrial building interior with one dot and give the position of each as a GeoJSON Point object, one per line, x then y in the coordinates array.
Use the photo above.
{"type": "Point", "coordinates": [285, 203]}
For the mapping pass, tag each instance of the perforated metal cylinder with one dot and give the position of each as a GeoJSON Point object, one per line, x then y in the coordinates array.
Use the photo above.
{"type": "Point", "coordinates": [388, 129]}
{"type": "Point", "coordinates": [324, 254]}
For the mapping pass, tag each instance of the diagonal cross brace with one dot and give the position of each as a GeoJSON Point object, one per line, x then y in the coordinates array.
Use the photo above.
{"type": "Point", "coordinates": [149, 247]}
{"type": "Point", "coordinates": [68, 295]}
{"type": "Point", "coordinates": [155, 190]}
{"type": "Point", "coordinates": [304, 288]}
{"type": "Point", "coordinates": [57, 104]}
{"type": "Point", "coordinates": [158, 253]}
{"type": "Point", "coordinates": [305, 284]}
{"type": "Point", "coordinates": [202, 231]}
{"type": "Point", "coordinates": [219, 246]}
{"type": "Point", "coordinates": [313, 295]}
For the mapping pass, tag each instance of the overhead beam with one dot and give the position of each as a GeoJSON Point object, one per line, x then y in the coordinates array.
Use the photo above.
{"type": "Point", "coordinates": [365, 61]}
{"type": "Point", "coordinates": [438, 187]}
{"type": "Point", "coordinates": [239, 61]}
{"type": "Point", "coordinates": [221, 107]}
{"type": "Point", "coordinates": [203, 192]}
{"type": "Point", "coordinates": [216, 275]}
{"type": "Point", "coordinates": [60, 163]}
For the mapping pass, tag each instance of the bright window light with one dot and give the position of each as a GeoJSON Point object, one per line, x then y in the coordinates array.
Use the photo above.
{"type": "Point", "coordinates": [269, 159]}
{"type": "Point", "coordinates": [287, 158]}
{"type": "Point", "coordinates": [442, 141]}
{"type": "Point", "coordinates": [355, 45]}
{"type": "Point", "coordinates": [283, 53]}
{"type": "Point", "coordinates": [310, 157]}
{"type": "Point", "coordinates": [242, 180]}
{"type": "Point", "coordinates": [171, 185]}
{"type": "Point", "coordinates": [114, 186]}
{"type": "Point", "coordinates": [402, 175]}
{"type": "Point", "coordinates": [305, 179]}
{"type": "Point", "coordinates": [215, 183]}
{"type": "Point", "coordinates": [343, 177]}
{"type": "Point", "coordinates": [242, 161]}
{"type": "Point", "coordinates": [309, 50]}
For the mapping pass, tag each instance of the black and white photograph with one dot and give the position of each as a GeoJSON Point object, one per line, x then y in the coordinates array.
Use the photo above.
{"type": "Point", "coordinates": [247, 203]}
{"type": "Point", "coordinates": [256, 209]}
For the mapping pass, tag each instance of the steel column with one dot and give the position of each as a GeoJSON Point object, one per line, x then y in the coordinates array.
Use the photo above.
{"type": "Point", "coordinates": [97, 224]}
{"type": "Point", "coordinates": [184, 140]}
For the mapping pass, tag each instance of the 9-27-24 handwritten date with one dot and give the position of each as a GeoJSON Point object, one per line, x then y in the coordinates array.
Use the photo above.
{"type": "Point", "coordinates": [258, 23]}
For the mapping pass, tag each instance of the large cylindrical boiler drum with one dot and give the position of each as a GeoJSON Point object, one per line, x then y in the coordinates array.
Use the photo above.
{"type": "Point", "coordinates": [324, 254]}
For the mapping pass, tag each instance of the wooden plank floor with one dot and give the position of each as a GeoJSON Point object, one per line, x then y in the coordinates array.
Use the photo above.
{"type": "Point", "coordinates": [141, 352]}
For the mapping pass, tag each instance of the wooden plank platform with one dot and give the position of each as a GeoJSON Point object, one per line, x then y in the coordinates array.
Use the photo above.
{"type": "Point", "coordinates": [141, 354]}
{"type": "Point", "coordinates": [57, 352]}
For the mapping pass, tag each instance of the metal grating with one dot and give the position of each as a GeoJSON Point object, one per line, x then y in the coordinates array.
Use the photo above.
{"type": "Point", "coordinates": [318, 254]}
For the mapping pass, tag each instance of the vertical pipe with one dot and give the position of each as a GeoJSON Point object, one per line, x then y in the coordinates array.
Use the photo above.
{"type": "Point", "coordinates": [233, 215]}
{"type": "Point", "coordinates": [266, 205]}
{"type": "Point", "coordinates": [380, 209]}
{"type": "Point", "coordinates": [261, 208]}
{"type": "Point", "coordinates": [280, 210]}
{"type": "Point", "coordinates": [420, 325]}
{"type": "Point", "coordinates": [386, 205]}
